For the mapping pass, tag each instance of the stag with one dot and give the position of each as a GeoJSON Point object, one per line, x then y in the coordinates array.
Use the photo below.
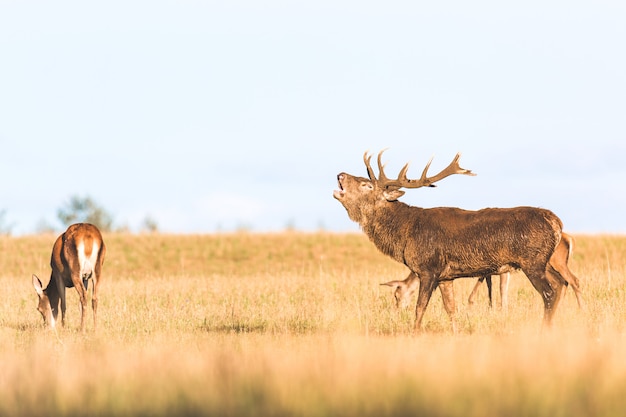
{"type": "Point", "coordinates": [404, 289]}
{"type": "Point", "coordinates": [77, 257]}
{"type": "Point", "coordinates": [442, 244]}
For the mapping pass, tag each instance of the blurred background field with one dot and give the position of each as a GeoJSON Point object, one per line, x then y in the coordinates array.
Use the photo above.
{"type": "Point", "coordinates": [297, 324]}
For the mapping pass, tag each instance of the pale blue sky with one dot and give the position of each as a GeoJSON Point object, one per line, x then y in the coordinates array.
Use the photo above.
{"type": "Point", "coordinates": [215, 115]}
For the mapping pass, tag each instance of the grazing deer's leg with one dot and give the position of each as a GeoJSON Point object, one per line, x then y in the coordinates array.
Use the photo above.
{"type": "Point", "coordinates": [504, 290]}
{"type": "Point", "coordinates": [427, 286]}
{"type": "Point", "coordinates": [571, 279]}
{"type": "Point", "coordinates": [82, 296]}
{"type": "Point", "coordinates": [94, 297]}
{"type": "Point", "coordinates": [558, 263]}
{"type": "Point", "coordinates": [488, 279]}
{"type": "Point", "coordinates": [55, 308]}
{"type": "Point", "coordinates": [470, 299]}
{"type": "Point", "coordinates": [447, 294]}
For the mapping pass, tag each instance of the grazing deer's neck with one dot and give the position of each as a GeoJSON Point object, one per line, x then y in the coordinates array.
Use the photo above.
{"type": "Point", "coordinates": [53, 296]}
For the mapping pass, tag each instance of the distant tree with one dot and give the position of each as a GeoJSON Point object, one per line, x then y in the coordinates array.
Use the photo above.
{"type": "Point", "coordinates": [5, 228]}
{"type": "Point", "coordinates": [85, 210]}
{"type": "Point", "coordinates": [149, 225]}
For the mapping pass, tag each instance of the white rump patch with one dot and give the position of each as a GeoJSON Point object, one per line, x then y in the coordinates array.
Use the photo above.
{"type": "Point", "coordinates": [87, 263]}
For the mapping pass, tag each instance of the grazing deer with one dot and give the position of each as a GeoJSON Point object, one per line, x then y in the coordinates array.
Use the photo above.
{"type": "Point", "coordinates": [77, 256]}
{"type": "Point", "coordinates": [404, 289]}
{"type": "Point", "coordinates": [442, 244]}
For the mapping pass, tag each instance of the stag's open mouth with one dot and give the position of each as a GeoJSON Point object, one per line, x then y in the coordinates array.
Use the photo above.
{"type": "Point", "coordinates": [340, 192]}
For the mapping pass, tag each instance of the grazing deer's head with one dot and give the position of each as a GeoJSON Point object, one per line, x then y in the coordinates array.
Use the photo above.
{"type": "Point", "coordinates": [44, 306]}
{"type": "Point", "coordinates": [360, 195]}
{"type": "Point", "coordinates": [403, 290]}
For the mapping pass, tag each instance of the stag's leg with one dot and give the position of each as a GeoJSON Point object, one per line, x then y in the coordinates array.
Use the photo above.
{"type": "Point", "coordinates": [558, 284]}
{"type": "Point", "coordinates": [427, 286]}
{"type": "Point", "coordinates": [549, 286]}
{"type": "Point", "coordinates": [488, 279]}
{"type": "Point", "coordinates": [470, 299]}
{"type": "Point", "coordinates": [447, 294]}
{"type": "Point", "coordinates": [504, 290]}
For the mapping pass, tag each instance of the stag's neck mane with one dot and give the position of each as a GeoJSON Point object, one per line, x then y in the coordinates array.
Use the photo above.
{"type": "Point", "coordinates": [387, 228]}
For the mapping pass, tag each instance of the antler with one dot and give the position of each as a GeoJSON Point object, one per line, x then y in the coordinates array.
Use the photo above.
{"type": "Point", "coordinates": [403, 182]}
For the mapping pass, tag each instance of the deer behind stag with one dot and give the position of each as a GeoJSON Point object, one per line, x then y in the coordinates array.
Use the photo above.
{"type": "Point", "coordinates": [442, 244]}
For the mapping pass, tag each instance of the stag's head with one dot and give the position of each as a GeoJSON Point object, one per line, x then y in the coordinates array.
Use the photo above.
{"type": "Point", "coordinates": [44, 306]}
{"type": "Point", "coordinates": [361, 195]}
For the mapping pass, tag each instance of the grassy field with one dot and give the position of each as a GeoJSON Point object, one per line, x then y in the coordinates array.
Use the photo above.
{"type": "Point", "coordinates": [297, 324]}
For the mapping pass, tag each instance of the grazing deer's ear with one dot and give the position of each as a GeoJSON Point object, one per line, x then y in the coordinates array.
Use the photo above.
{"type": "Point", "coordinates": [394, 284]}
{"type": "Point", "coordinates": [392, 195]}
{"type": "Point", "coordinates": [37, 285]}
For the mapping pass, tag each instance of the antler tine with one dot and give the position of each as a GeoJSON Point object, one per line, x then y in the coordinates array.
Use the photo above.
{"type": "Point", "coordinates": [424, 178]}
{"type": "Point", "coordinates": [402, 175]}
{"type": "Point", "coordinates": [425, 181]}
{"type": "Point", "coordinates": [382, 178]}
{"type": "Point", "coordinates": [367, 159]}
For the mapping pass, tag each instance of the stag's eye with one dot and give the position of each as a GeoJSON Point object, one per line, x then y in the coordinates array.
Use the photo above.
{"type": "Point", "coordinates": [367, 185]}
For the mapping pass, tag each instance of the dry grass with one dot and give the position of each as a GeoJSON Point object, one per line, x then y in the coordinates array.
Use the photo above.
{"type": "Point", "coordinates": [296, 324]}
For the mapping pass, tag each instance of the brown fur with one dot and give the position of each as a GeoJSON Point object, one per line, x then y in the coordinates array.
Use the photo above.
{"type": "Point", "coordinates": [446, 243]}
{"type": "Point", "coordinates": [67, 272]}
{"type": "Point", "coordinates": [404, 289]}
{"type": "Point", "coordinates": [558, 262]}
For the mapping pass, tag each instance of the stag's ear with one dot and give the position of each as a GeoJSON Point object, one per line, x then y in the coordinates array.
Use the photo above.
{"type": "Point", "coordinates": [392, 195]}
{"type": "Point", "coordinates": [37, 285]}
